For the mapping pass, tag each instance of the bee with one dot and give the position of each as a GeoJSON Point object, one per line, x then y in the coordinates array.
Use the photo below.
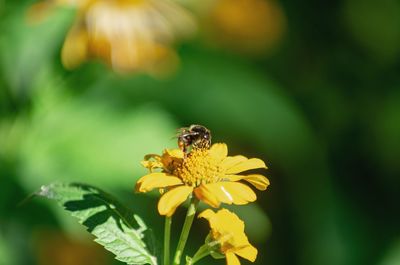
{"type": "Point", "coordinates": [195, 135]}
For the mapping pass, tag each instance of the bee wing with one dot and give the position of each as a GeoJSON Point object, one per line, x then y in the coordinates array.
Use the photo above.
{"type": "Point", "coordinates": [180, 132]}
{"type": "Point", "coordinates": [183, 130]}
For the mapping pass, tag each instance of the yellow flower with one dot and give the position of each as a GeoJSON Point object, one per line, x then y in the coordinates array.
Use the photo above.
{"type": "Point", "coordinates": [39, 11]}
{"type": "Point", "coordinates": [247, 26]}
{"type": "Point", "coordinates": [228, 231]}
{"type": "Point", "coordinates": [128, 35]}
{"type": "Point", "coordinates": [210, 174]}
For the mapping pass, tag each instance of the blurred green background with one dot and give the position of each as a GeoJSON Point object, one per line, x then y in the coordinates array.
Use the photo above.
{"type": "Point", "coordinates": [320, 103]}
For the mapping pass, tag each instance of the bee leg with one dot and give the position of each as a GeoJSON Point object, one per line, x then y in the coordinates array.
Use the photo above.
{"type": "Point", "coordinates": [182, 146]}
{"type": "Point", "coordinates": [184, 152]}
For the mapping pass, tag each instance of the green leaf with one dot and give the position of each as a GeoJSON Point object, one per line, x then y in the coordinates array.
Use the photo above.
{"type": "Point", "coordinates": [110, 222]}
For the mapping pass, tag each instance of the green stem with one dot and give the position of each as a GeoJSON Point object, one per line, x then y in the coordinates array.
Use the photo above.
{"type": "Point", "coordinates": [203, 251]}
{"type": "Point", "coordinates": [167, 236]}
{"type": "Point", "coordinates": [185, 230]}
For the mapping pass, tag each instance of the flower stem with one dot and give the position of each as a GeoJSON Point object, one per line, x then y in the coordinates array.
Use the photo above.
{"type": "Point", "coordinates": [185, 230]}
{"type": "Point", "coordinates": [203, 251]}
{"type": "Point", "coordinates": [167, 236]}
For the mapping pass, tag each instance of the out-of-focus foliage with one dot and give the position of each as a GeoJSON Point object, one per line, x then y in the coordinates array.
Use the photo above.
{"type": "Point", "coordinates": [318, 100]}
{"type": "Point", "coordinates": [392, 257]}
{"type": "Point", "coordinates": [69, 138]}
{"type": "Point", "coordinates": [5, 253]}
{"type": "Point", "coordinates": [53, 247]}
{"type": "Point", "coordinates": [380, 33]}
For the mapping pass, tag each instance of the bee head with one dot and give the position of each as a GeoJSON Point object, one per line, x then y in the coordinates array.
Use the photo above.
{"type": "Point", "coordinates": [203, 135]}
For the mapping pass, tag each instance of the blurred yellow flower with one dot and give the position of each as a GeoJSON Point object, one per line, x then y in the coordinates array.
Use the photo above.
{"type": "Point", "coordinates": [128, 35]}
{"type": "Point", "coordinates": [40, 10]}
{"type": "Point", "coordinates": [210, 174]}
{"type": "Point", "coordinates": [227, 230]}
{"type": "Point", "coordinates": [248, 26]}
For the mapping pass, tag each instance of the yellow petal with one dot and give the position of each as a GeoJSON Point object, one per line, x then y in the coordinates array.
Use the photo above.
{"type": "Point", "coordinates": [206, 195]}
{"type": "Point", "coordinates": [151, 164]}
{"type": "Point", "coordinates": [249, 252]}
{"type": "Point", "coordinates": [230, 192]}
{"type": "Point", "coordinates": [177, 153]}
{"type": "Point", "coordinates": [207, 214]}
{"type": "Point", "coordinates": [231, 161]}
{"type": "Point", "coordinates": [75, 48]}
{"type": "Point", "coordinates": [257, 180]}
{"type": "Point", "coordinates": [231, 259]}
{"type": "Point", "coordinates": [152, 156]}
{"type": "Point", "coordinates": [252, 163]}
{"type": "Point", "coordinates": [127, 54]}
{"type": "Point", "coordinates": [218, 151]}
{"type": "Point", "coordinates": [241, 193]}
{"type": "Point", "coordinates": [156, 180]}
{"type": "Point", "coordinates": [172, 199]}
{"type": "Point", "coordinates": [225, 220]}
{"type": "Point", "coordinates": [171, 159]}
{"type": "Point", "coordinates": [219, 192]}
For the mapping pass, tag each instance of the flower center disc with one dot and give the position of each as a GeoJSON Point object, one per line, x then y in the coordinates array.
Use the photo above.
{"type": "Point", "coordinates": [199, 167]}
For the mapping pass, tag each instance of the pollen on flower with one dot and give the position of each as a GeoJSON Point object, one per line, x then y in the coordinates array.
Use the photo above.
{"type": "Point", "coordinates": [198, 168]}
